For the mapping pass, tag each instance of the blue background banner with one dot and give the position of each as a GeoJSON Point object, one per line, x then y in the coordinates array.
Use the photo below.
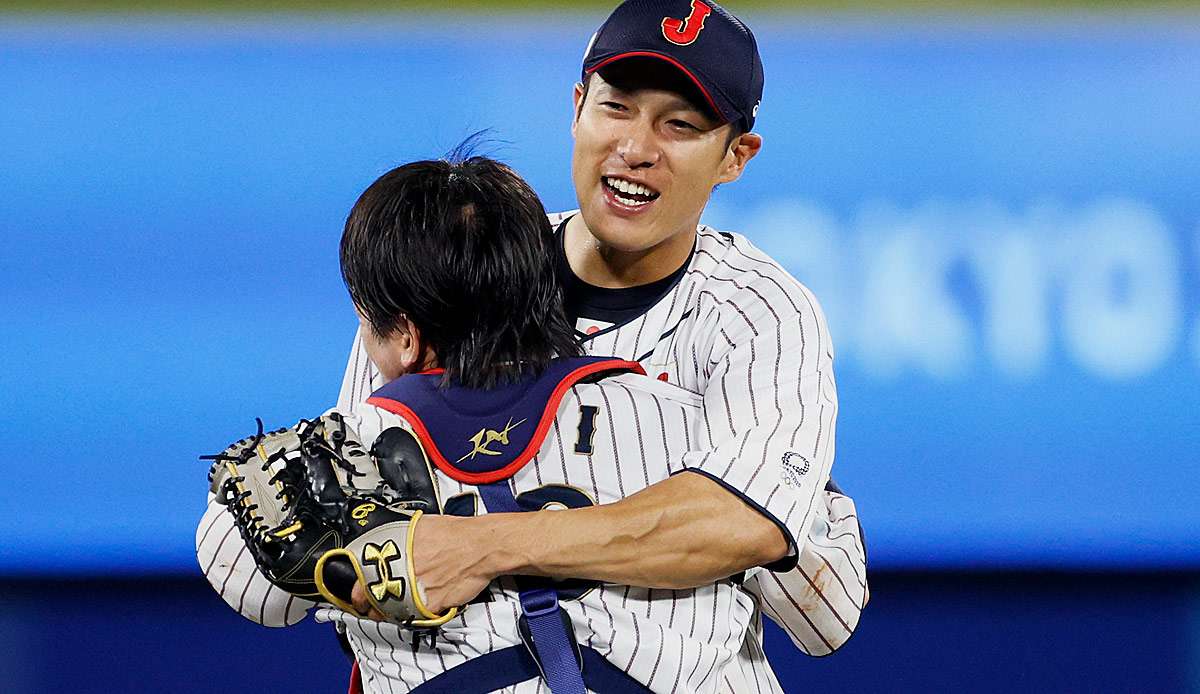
{"type": "Point", "coordinates": [999, 216]}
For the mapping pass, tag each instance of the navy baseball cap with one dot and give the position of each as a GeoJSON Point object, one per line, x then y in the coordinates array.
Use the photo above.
{"type": "Point", "coordinates": [700, 38]}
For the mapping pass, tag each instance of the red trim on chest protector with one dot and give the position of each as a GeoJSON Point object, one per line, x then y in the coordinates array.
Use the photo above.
{"type": "Point", "coordinates": [535, 443]}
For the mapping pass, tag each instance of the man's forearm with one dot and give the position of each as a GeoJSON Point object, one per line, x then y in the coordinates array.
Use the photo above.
{"type": "Point", "coordinates": [682, 532]}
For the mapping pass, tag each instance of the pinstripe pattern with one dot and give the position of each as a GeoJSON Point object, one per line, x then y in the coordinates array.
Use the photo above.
{"type": "Point", "coordinates": [637, 629]}
{"type": "Point", "coordinates": [752, 342]}
{"type": "Point", "coordinates": [232, 573]}
{"type": "Point", "coordinates": [742, 332]}
{"type": "Point", "coordinates": [820, 611]}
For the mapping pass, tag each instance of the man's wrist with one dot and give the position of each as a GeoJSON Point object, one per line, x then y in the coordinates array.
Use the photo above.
{"type": "Point", "coordinates": [499, 540]}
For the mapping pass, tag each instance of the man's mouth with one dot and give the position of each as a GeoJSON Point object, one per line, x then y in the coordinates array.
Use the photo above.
{"type": "Point", "coordinates": [628, 192]}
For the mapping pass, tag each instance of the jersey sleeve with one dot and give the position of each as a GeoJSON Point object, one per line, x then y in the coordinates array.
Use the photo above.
{"type": "Point", "coordinates": [766, 430]}
{"type": "Point", "coordinates": [360, 379]}
{"type": "Point", "coordinates": [232, 573]}
{"type": "Point", "coordinates": [819, 602]}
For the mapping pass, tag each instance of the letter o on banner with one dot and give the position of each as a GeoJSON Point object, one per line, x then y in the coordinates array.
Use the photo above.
{"type": "Point", "coordinates": [1121, 303]}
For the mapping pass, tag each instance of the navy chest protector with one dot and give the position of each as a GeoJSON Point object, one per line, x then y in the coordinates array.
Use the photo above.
{"type": "Point", "coordinates": [483, 438]}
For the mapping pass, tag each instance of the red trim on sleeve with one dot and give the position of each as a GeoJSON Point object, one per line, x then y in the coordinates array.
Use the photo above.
{"type": "Point", "coordinates": [535, 443]}
{"type": "Point", "coordinates": [355, 680]}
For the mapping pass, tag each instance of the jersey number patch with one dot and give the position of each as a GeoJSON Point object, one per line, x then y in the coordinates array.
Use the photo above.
{"type": "Point", "coordinates": [587, 429]}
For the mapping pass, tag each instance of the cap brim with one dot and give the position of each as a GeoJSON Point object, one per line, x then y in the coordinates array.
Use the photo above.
{"type": "Point", "coordinates": [678, 65]}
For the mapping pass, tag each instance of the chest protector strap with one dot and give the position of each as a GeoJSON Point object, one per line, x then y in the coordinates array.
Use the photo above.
{"type": "Point", "coordinates": [549, 636]}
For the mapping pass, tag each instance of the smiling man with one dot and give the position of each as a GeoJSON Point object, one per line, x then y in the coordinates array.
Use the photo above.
{"type": "Point", "coordinates": [664, 113]}
{"type": "Point", "coordinates": [648, 153]}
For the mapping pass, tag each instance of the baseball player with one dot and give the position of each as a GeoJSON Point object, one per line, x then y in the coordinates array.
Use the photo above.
{"type": "Point", "coordinates": [644, 591]}
{"type": "Point", "coordinates": [664, 113]}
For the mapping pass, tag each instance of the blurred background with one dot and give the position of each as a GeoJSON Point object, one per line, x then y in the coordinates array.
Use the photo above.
{"type": "Point", "coordinates": [998, 205]}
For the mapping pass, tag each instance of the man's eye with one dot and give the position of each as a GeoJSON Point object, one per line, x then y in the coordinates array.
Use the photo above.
{"type": "Point", "coordinates": [682, 124]}
{"type": "Point", "coordinates": [612, 105]}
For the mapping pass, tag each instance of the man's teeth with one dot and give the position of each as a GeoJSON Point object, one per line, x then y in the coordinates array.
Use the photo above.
{"type": "Point", "coordinates": [631, 189]}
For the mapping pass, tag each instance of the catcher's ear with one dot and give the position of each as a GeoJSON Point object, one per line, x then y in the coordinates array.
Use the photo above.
{"type": "Point", "coordinates": [409, 349]}
{"type": "Point", "coordinates": [401, 352]}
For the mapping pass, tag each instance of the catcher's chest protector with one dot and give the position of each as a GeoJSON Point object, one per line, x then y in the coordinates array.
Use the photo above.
{"type": "Point", "coordinates": [484, 437]}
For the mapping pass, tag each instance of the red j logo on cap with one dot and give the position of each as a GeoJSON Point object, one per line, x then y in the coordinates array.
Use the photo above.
{"type": "Point", "coordinates": [683, 32]}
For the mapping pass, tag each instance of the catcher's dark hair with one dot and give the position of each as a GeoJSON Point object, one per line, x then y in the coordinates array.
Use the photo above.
{"type": "Point", "coordinates": [461, 247]}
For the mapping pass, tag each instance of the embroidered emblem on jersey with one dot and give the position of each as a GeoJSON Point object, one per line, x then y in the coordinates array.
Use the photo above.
{"type": "Point", "coordinates": [669, 372]}
{"type": "Point", "coordinates": [795, 466]}
{"type": "Point", "coordinates": [586, 328]}
{"type": "Point", "coordinates": [486, 437]}
{"type": "Point", "coordinates": [587, 429]}
{"type": "Point", "coordinates": [382, 558]}
{"type": "Point", "coordinates": [684, 32]}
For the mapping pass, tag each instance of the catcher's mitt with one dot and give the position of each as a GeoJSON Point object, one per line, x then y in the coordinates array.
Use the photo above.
{"type": "Point", "coordinates": [318, 513]}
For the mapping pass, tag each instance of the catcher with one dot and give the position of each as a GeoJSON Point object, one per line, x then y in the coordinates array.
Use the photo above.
{"type": "Point", "coordinates": [510, 510]}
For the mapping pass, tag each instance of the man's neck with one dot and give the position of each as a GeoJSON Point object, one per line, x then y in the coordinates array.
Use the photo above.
{"type": "Point", "coordinates": [601, 265]}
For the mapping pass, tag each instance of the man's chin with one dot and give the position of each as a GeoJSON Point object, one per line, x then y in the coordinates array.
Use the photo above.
{"type": "Point", "coordinates": [622, 234]}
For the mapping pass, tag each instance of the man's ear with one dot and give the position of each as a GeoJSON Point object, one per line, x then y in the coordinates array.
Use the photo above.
{"type": "Point", "coordinates": [743, 148]}
{"type": "Point", "coordinates": [410, 351]}
{"type": "Point", "coordinates": [577, 104]}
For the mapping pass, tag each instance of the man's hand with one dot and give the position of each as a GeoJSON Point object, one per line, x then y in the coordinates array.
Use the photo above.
{"type": "Point", "coordinates": [451, 563]}
{"type": "Point", "coordinates": [363, 605]}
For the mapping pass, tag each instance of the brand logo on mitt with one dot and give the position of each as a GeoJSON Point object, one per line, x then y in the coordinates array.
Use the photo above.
{"type": "Point", "coordinates": [795, 466]}
{"type": "Point", "coordinates": [361, 512]}
{"type": "Point", "coordinates": [684, 32]}
{"type": "Point", "coordinates": [487, 437]}
{"type": "Point", "coordinates": [383, 557]}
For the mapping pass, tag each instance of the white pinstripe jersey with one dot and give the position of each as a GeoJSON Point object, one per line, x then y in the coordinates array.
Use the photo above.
{"type": "Point", "coordinates": [670, 640]}
{"type": "Point", "coordinates": [751, 343]}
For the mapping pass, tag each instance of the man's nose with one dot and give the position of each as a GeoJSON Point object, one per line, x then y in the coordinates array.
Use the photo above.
{"type": "Point", "coordinates": [638, 147]}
